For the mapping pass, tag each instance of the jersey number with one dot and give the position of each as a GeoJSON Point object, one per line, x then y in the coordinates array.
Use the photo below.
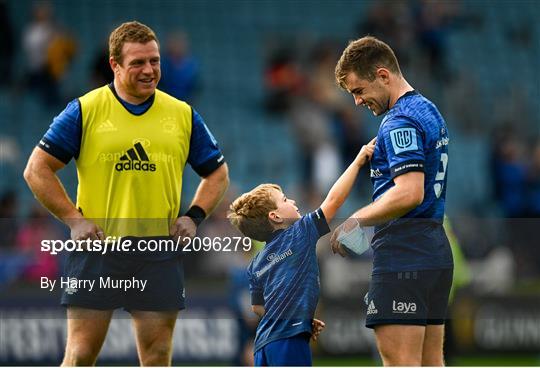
{"type": "Point", "coordinates": [438, 187]}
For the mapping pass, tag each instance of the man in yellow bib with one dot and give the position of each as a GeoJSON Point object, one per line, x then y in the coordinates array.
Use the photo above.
{"type": "Point", "coordinates": [131, 143]}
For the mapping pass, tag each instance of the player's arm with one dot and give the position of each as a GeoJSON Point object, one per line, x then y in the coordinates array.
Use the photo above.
{"type": "Point", "coordinates": [342, 187]}
{"type": "Point", "coordinates": [406, 195]}
{"type": "Point", "coordinates": [403, 197]}
{"type": "Point", "coordinates": [211, 189]}
{"type": "Point", "coordinates": [207, 160]}
{"type": "Point", "coordinates": [40, 174]}
{"type": "Point", "coordinates": [258, 310]}
{"type": "Point", "coordinates": [47, 159]}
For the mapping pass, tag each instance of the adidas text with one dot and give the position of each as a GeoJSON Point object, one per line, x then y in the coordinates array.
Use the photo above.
{"type": "Point", "coordinates": [135, 165]}
{"type": "Point", "coordinates": [135, 158]}
{"type": "Point", "coordinates": [371, 308]}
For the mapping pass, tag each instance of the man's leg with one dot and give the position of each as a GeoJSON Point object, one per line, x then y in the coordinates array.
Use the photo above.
{"type": "Point", "coordinates": [432, 353]}
{"type": "Point", "coordinates": [400, 345]}
{"type": "Point", "coordinates": [86, 331]}
{"type": "Point", "coordinates": [154, 333]}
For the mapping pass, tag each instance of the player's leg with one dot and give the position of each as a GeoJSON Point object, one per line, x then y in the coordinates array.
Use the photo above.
{"type": "Point", "coordinates": [432, 352]}
{"type": "Point", "coordinates": [89, 310]}
{"type": "Point", "coordinates": [400, 345]}
{"type": "Point", "coordinates": [86, 331]}
{"type": "Point", "coordinates": [396, 310]}
{"type": "Point", "coordinates": [154, 334]}
{"type": "Point", "coordinates": [292, 351]}
{"type": "Point", "coordinates": [154, 309]}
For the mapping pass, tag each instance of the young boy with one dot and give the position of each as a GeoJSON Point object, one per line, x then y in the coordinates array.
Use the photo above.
{"type": "Point", "coordinates": [284, 276]}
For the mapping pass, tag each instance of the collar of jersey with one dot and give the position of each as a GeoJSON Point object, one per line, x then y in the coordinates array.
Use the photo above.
{"type": "Point", "coordinates": [274, 235]}
{"type": "Point", "coordinates": [406, 94]}
{"type": "Point", "coordinates": [133, 109]}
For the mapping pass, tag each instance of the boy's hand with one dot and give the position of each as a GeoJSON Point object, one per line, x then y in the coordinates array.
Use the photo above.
{"type": "Point", "coordinates": [316, 328]}
{"type": "Point", "coordinates": [366, 152]}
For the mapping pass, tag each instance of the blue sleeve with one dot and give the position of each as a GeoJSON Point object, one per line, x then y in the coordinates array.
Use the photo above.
{"type": "Point", "coordinates": [204, 153]}
{"type": "Point", "coordinates": [63, 139]}
{"type": "Point", "coordinates": [320, 222]}
{"type": "Point", "coordinates": [306, 232]}
{"type": "Point", "coordinates": [256, 292]}
{"type": "Point", "coordinates": [404, 145]}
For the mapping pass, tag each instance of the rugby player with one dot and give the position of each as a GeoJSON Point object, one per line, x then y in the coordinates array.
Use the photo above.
{"type": "Point", "coordinates": [412, 266]}
{"type": "Point", "coordinates": [130, 143]}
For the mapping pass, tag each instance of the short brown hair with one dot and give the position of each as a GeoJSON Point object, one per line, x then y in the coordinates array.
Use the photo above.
{"type": "Point", "coordinates": [363, 57]}
{"type": "Point", "coordinates": [249, 212]}
{"type": "Point", "coordinates": [129, 32]}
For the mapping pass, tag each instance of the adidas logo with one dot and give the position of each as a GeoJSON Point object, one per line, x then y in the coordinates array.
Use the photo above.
{"type": "Point", "coordinates": [135, 158]}
{"type": "Point", "coordinates": [106, 126]}
{"type": "Point", "coordinates": [371, 308]}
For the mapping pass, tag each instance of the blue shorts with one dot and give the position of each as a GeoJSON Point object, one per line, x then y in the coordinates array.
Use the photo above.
{"type": "Point", "coordinates": [120, 281]}
{"type": "Point", "coordinates": [408, 298]}
{"type": "Point", "coordinates": [291, 351]}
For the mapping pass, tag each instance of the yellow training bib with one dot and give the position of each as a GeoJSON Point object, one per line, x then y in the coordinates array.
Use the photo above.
{"type": "Point", "coordinates": [130, 166]}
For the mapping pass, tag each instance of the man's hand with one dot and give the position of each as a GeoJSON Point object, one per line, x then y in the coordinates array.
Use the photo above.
{"type": "Point", "coordinates": [183, 227]}
{"type": "Point", "coordinates": [366, 152]}
{"type": "Point", "coordinates": [82, 229]}
{"type": "Point", "coordinates": [316, 328]}
{"type": "Point", "coordinates": [347, 226]}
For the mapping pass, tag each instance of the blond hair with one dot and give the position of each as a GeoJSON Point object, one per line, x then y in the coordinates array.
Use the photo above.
{"type": "Point", "coordinates": [249, 212]}
{"type": "Point", "coordinates": [363, 57]}
{"type": "Point", "coordinates": [129, 32]}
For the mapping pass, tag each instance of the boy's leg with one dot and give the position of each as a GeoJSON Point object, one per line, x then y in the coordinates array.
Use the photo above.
{"type": "Point", "coordinates": [292, 351]}
{"type": "Point", "coordinates": [260, 358]}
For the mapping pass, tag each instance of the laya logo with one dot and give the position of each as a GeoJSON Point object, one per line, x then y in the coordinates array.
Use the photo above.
{"type": "Point", "coordinates": [136, 159]}
{"type": "Point", "coordinates": [403, 307]}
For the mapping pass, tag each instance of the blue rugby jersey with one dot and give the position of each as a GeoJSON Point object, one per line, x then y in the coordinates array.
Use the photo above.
{"type": "Point", "coordinates": [284, 278]}
{"type": "Point", "coordinates": [63, 139]}
{"type": "Point", "coordinates": [412, 137]}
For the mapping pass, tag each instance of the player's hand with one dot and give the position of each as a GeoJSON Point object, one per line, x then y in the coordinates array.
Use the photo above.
{"type": "Point", "coordinates": [366, 152]}
{"type": "Point", "coordinates": [183, 227]}
{"type": "Point", "coordinates": [316, 328]}
{"type": "Point", "coordinates": [82, 229]}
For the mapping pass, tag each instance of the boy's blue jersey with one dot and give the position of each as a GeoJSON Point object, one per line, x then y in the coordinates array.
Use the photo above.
{"type": "Point", "coordinates": [412, 137]}
{"type": "Point", "coordinates": [284, 278]}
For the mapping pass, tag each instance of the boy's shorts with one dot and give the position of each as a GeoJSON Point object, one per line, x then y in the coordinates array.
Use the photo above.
{"type": "Point", "coordinates": [291, 351]}
{"type": "Point", "coordinates": [408, 298]}
{"type": "Point", "coordinates": [118, 282]}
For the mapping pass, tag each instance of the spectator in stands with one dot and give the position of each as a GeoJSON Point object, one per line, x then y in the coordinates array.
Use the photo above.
{"type": "Point", "coordinates": [48, 51]}
{"type": "Point", "coordinates": [7, 47]}
{"type": "Point", "coordinates": [533, 183]}
{"type": "Point", "coordinates": [509, 173]}
{"type": "Point", "coordinates": [37, 37]}
{"type": "Point", "coordinates": [102, 73]}
{"type": "Point", "coordinates": [432, 20]}
{"type": "Point", "coordinates": [39, 226]}
{"type": "Point", "coordinates": [283, 81]}
{"type": "Point", "coordinates": [8, 223]}
{"type": "Point", "coordinates": [179, 69]}
{"type": "Point", "coordinates": [390, 21]}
